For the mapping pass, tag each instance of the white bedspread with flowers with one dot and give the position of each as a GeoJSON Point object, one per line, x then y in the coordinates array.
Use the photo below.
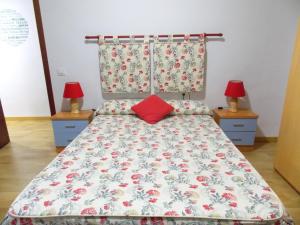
{"type": "Point", "coordinates": [121, 168]}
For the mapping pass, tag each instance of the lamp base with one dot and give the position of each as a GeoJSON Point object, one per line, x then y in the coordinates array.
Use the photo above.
{"type": "Point", "coordinates": [233, 103]}
{"type": "Point", "coordinates": [75, 105]}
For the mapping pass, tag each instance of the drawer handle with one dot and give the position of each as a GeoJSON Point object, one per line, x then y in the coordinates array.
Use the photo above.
{"type": "Point", "coordinates": [238, 125]}
{"type": "Point", "coordinates": [70, 126]}
{"type": "Point", "coordinates": [236, 139]}
{"type": "Point", "coordinates": [69, 140]}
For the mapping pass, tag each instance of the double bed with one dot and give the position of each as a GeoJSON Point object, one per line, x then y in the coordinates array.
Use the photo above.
{"type": "Point", "coordinates": [121, 170]}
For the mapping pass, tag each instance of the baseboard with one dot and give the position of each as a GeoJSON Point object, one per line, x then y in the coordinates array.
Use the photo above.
{"type": "Point", "coordinates": [20, 118]}
{"type": "Point", "coordinates": [266, 139]}
{"type": "Point", "coordinates": [296, 189]}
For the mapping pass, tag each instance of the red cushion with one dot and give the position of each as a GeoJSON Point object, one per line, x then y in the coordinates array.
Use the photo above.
{"type": "Point", "coordinates": [152, 109]}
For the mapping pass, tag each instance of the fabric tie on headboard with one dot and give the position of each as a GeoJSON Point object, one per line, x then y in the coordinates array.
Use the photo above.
{"type": "Point", "coordinates": [124, 67]}
{"type": "Point", "coordinates": [179, 66]}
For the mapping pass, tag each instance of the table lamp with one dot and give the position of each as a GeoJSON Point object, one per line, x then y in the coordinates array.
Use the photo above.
{"type": "Point", "coordinates": [73, 91]}
{"type": "Point", "coordinates": [234, 90]}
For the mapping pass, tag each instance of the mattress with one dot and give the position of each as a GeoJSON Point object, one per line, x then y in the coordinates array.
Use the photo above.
{"type": "Point", "coordinates": [121, 170]}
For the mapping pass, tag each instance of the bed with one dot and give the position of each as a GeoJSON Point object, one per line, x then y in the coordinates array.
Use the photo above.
{"type": "Point", "coordinates": [121, 170]}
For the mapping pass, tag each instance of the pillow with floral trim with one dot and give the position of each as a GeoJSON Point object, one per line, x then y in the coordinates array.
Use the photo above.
{"type": "Point", "coordinates": [181, 107]}
{"type": "Point", "coordinates": [189, 107]}
{"type": "Point", "coordinates": [117, 107]}
{"type": "Point", "coordinates": [152, 109]}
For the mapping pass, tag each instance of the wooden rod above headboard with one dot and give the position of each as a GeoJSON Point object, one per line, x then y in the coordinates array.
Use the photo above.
{"type": "Point", "coordinates": [161, 35]}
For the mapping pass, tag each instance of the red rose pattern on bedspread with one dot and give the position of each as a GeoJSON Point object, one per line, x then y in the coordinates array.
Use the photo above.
{"type": "Point", "coordinates": [184, 166]}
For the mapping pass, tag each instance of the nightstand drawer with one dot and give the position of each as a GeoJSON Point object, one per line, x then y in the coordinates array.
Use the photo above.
{"type": "Point", "coordinates": [241, 138]}
{"type": "Point", "coordinates": [238, 124]}
{"type": "Point", "coordinates": [64, 138]}
{"type": "Point", "coordinates": [69, 125]}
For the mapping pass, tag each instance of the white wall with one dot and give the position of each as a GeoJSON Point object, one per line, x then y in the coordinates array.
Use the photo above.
{"type": "Point", "coordinates": [22, 83]}
{"type": "Point", "coordinates": [257, 48]}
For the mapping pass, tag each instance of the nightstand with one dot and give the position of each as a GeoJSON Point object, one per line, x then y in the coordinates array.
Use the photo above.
{"type": "Point", "coordinates": [240, 127]}
{"type": "Point", "coordinates": [66, 126]}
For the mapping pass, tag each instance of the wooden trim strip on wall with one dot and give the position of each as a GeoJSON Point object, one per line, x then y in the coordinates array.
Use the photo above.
{"type": "Point", "coordinates": [23, 118]}
{"type": "Point", "coordinates": [266, 139]}
{"type": "Point", "coordinates": [39, 24]}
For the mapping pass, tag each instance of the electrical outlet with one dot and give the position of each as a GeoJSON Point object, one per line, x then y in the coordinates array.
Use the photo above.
{"type": "Point", "coordinates": [61, 72]}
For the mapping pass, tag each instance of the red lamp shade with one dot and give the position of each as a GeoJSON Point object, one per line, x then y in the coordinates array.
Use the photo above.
{"type": "Point", "coordinates": [235, 89]}
{"type": "Point", "coordinates": [73, 90]}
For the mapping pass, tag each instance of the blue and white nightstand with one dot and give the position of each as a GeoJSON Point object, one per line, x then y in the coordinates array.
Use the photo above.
{"type": "Point", "coordinates": [66, 126]}
{"type": "Point", "coordinates": [240, 127]}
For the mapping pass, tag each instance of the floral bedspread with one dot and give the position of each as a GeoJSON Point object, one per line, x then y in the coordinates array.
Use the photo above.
{"type": "Point", "coordinates": [183, 166]}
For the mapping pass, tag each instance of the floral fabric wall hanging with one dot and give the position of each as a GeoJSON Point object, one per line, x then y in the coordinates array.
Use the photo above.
{"type": "Point", "coordinates": [179, 66]}
{"type": "Point", "coordinates": [124, 67]}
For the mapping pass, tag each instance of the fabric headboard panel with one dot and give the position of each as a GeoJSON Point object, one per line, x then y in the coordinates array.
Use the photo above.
{"type": "Point", "coordinates": [124, 67]}
{"type": "Point", "coordinates": [179, 66]}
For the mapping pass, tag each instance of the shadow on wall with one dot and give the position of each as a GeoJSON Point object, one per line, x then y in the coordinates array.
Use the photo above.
{"type": "Point", "coordinates": [246, 103]}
